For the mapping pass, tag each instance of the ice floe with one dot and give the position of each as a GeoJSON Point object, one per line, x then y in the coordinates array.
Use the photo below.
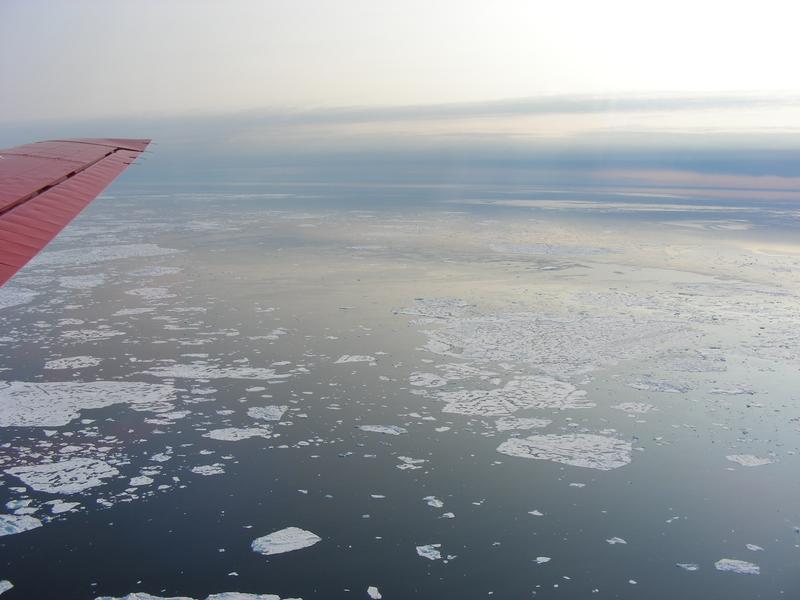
{"type": "Point", "coordinates": [235, 434]}
{"type": "Point", "coordinates": [208, 470]}
{"type": "Point", "coordinates": [737, 566]}
{"type": "Point", "coordinates": [284, 540]}
{"type": "Point", "coordinates": [387, 429]}
{"type": "Point", "coordinates": [372, 592]}
{"type": "Point", "coordinates": [205, 371]}
{"type": "Point", "coordinates": [12, 524]}
{"type": "Point", "coordinates": [64, 477]}
{"type": "Point", "coordinates": [519, 393]}
{"type": "Point", "coordinates": [430, 551]}
{"type": "Point", "coordinates": [579, 450]}
{"type": "Point", "coordinates": [52, 404]}
{"type": "Point", "coordinates": [73, 362]}
{"type": "Point", "coordinates": [5, 585]}
{"type": "Point", "coordinates": [634, 407]}
{"type": "Point", "coordinates": [748, 460]}
{"type": "Point", "coordinates": [433, 501]}
{"type": "Point", "coordinates": [517, 423]}
{"type": "Point", "coordinates": [11, 295]}
{"type": "Point", "coordinates": [267, 413]}
{"type": "Point", "coordinates": [540, 560]}
{"type": "Point", "coordinates": [688, 566]}
{"type": "Point", "coordinates": [353, 358]}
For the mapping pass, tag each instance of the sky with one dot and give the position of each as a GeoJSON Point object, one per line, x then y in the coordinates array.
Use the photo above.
{"type": "Point", "coordinates": [472, 81]}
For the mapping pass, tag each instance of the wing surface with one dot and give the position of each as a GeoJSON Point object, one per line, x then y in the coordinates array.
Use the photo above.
{"type": "Point", "coordinates": [44, 185]}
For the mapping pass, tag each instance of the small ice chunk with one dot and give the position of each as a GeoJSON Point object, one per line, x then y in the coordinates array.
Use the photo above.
{"type": "Point", "coordinates": [387, 429]}
{"type": "Point", "coordinates": [748, 460]}
{"type": "Point", "coordinates": [433, 501]}
{"type": "Point", "coordinates": [208, 470]}
{"type": "Point", "coordinates": [5, 585]}
{"type": "Point", "coordinates": [688, 566]}
{"type": "Point", "coordinates": [754, 548]}
{"type": "Point", "coordinates": [267, 413]}
{"type": "Point", "coordinates": [536, 513]}
{"type": "Point", "coordinates": [141, 480]}
{"type": "Point", "coordinates": [350, 358]}
{"type": "Point", "coordinates": [616, 540]}
{"type": "Point", "coordinates": [373, 593]}
{"type": "Point", "coordinates": [284, 540]}
{"type": "Point", "coordinates": [430, 551]}
{"type": "Point", "coordinates": [234, 434]}
{"type": "Point", "coordinates": [540, 560]}
{"type": "Point", "coordinates": [11, 524]}
{"type": "Point", "coordinates": [737, 566]}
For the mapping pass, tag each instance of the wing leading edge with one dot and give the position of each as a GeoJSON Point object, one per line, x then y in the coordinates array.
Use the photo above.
{"type": "Point", "coordinates": [43, 186]}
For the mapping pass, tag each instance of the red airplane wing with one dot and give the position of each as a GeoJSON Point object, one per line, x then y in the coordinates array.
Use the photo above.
{"type": "Point", "coordinates": [43, 186]}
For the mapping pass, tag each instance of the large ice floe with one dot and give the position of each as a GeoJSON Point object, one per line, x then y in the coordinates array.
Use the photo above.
{"type": "Point", "coordinates": [748, 460]}
{"type": "Point", "coordinates": [52, 404]}
{"type": "Point", "coordinates": [73, 362]}
{"type": "Point", "coordinates": [284, 540]}
{"type": "Point", "coordinates": [11, 524]}
{"type": "Point", "coordinates": [64, 477]}
{"type": "Point", "coordinates": [520, 393]}
{"type": "Point", "coordinates": [559, 347]}
{"type": "Point", "coordinates": [14, 296]}
{"type": "Point", "coordinates": [579, 449]}
{"type": "Point", "coordinates": [267, 413]}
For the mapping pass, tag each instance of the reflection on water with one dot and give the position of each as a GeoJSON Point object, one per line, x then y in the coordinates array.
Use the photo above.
{"type": "Point", "coordinates": [402, 392]}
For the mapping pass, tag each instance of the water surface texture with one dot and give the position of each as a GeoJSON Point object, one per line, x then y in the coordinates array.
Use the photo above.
{"type": "Point", "coordinates": [405, 392]}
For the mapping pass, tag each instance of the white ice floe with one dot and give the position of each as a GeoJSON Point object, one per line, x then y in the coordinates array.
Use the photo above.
{"type": "Point", "coordinates": [737, 566]}
{"type": "Point", "coordinates": [205, 371]}
{"type": "Point", "coordinates": [126, 312]}
{"type": "Point", "coordinates": [536, 513]}
{"type": "Point", "coordinates": [64, 477]}
{"type": "Point", "coordinates": [634, 407]}
{"type": "Point", "coordinates": [616, 540]}
{"type": "Point", "coordinates": [80, 336]}
{"type": "Point", "coordinates": [387, 429]}
{"type": "Point", "coordinates": [519, 393]}
{"type": "Point", "coordinates": [81, 282]}
{"type": "Point", "coordinates": [754, 548]}
{"type": "Point", "coordinates": [557, 346]}
{"type": "Point", "coordinates": [52, 404]}
{"type": "Point", "coordinates": [208, 470]}
{"type": "Point", "coordinates": [748, 460]}
{"type": "Point", "coordinates": [688, 566]}
{"type": "Point", "coordinates": [407, 463]}
{"type": "Point", "coordinates": [93, 254]}
{"type": "Point", "coordinates": [579, 450]}
{"type": "Point", "coordinates": [352, 358]}
{"type": "Point", "coordinates": [140, 481]}
{"type": "Point", "coordinates": [11, 524]}
{"type": "Point", "coordinates": [234, 434]}
{"type": "Point", "coordinates": [540, 560]}
{"type": "Point", "coordinates": [59, 506]}
{"type": "Point", "coordinates": [73, 362]}
{"type": "Point", "coordinates": [15, 296]}
{"type": "Point", "coordinates": [284, 540]}
{"type": "Point", "coordinates": [516, 423]}
{"type": "Point", "coordinates": [430, 551]}
{"type": "Point", "coordinates": [5, 585]}
{"type": "Point", "coordinates": [267, 413]}
{"type": "Point", "coordinates": [430, 380]}
{"type": "Point", "coordinates": [219, 596]}
{"type": "Point", "coordinates": [373, 593]}
{"type": "Point", "coordinates": [155, 271]}
{"type": "Point", "coordinates": [433, 501]}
